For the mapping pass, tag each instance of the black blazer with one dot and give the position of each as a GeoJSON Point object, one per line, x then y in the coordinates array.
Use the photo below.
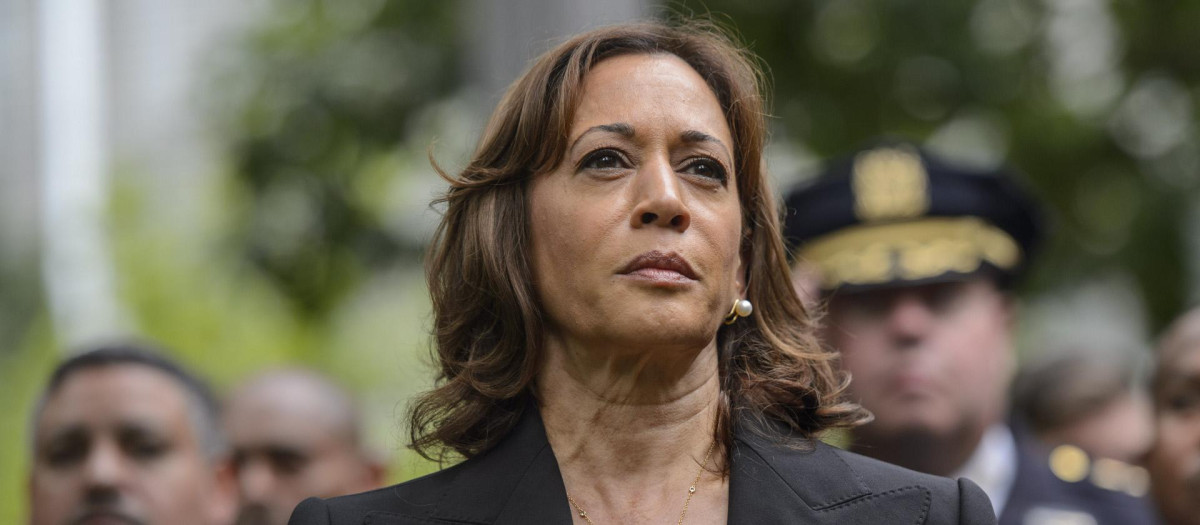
{"type": "Point", "coordinates": [518, 482]}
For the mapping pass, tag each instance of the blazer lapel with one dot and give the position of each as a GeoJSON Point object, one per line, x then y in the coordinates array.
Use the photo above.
{"type": "Point", "coordinates": [540, 496]}
{"type": "Point", "coordinates": [771, 483]}
{"type": "Point", "coordinates": [516, 482]}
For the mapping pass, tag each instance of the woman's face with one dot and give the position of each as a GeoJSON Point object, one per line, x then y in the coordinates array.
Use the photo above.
{"type": "Point", "coordinates": [636, 234]}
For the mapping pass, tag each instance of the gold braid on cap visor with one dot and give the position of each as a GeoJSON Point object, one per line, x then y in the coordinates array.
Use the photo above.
{"type": "Point", "coordinates": [908, 251]}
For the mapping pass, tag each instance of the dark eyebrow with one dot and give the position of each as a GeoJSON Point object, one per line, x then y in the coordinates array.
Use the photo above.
{"type": "Point", "coordinates": [620, 128]}
{"type": "Point", "coordinates": [692, 136]}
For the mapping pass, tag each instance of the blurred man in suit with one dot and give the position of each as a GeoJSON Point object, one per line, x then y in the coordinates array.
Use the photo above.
{"type": "Point", "coordinates": [1174, 460]}
{"type": "Point", "coordinates": [123, 435]}
{"type": "Point", "coordinates": [294, 435]}
{"type": "Point", "coordinates": [915, 259]}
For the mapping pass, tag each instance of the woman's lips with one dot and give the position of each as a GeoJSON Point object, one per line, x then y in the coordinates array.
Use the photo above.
{"type": "Point", "coordinates": [660, 267]}
{"type": "Point", "coordinates": [658, 274]}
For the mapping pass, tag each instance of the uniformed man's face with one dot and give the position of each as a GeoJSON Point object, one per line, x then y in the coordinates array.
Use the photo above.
{"type": "Point", "coordinates": [927, 360]}
{"type": "Point", "coordinates": [1174, 461]}
{"type": "Point", "coordinates": [288, 445]}
{"type": "Point", "coordinates": [116, 444]}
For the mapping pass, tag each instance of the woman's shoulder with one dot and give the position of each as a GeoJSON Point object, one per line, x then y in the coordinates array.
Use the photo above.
{"type": "Point", "coordinates": [883, 476]}
{"type": "Point", "coordinates": [517, 481]}
{"type": "Point", "coordinates": [413, 498]}
{"type": "Point", "coordinates": [950, 501]}
{"type": "Point", "coordinates": [835, 482]}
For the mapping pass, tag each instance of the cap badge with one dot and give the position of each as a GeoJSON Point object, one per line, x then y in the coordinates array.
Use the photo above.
{"type": "Point", "coordinates": [889, 183]}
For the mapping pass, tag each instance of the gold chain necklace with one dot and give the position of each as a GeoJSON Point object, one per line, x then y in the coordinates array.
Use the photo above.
{"type": "Point", "coordinates": [691, 491]}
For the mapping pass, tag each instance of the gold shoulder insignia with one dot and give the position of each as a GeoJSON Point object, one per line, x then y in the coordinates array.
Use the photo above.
{"type": "Point", "coordinates": [1120, 476]}
{"type": "Point", "coordinates": [1071, 464]}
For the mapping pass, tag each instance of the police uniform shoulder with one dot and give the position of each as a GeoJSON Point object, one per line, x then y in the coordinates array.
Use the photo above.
{"type": "Point", "coordinates": [1072, 465]}
{"type": "Point", "coordinates": [1071, 487]}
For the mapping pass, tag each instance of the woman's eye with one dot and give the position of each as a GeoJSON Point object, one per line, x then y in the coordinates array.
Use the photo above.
{"type": "Point", "coordinates": [602, 160]}
{"type": "Point", "coordinates": [706, 168]}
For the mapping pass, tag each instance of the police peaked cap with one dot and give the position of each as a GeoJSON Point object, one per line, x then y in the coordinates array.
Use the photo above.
{"type": "Point", "coordinates": [893, 214]}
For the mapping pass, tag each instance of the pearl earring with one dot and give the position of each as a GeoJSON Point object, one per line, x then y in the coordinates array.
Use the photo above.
{"type": "Point", "coordinates": [741, 308]}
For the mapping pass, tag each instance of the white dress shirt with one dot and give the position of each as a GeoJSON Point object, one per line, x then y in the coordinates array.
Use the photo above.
{"type": "Point", "coordinates": [993, 465]}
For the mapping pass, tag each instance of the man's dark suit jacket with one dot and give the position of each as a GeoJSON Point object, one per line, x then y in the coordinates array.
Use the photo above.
{"type": "Point", "coordinates": [518, 482]}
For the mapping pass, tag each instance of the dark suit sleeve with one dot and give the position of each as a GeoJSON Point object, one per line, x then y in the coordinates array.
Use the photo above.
{"type": "Point", "coordinates": [974, 507]}
{"type": "Point", "coordinates": [312, 511]}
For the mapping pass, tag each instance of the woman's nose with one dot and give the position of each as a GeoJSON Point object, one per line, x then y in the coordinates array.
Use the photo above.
{"type": "Point", "coordinates": [659, 198]}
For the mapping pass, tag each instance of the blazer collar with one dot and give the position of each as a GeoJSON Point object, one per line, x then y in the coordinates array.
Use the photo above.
{"type": "Point", "coordinates": [762, 467]}
{"type": "Point", "coordinates": [775, 483]}
{"type": "Point", "coordinates": [519, 482]}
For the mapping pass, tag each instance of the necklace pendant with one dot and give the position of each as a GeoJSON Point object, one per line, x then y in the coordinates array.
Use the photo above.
{"type": "Point", "coordinates": [582, 514]}
{"type": "Point", "coordinates": [692, 489]}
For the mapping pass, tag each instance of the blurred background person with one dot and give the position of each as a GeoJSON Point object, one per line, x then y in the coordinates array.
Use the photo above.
{"type": "Point", "coordinates": [295, 434]}
{"type": "Point", "coordinates": [124, 435]}
{"type": "Point", "coordinates": [917, 258]}
{"type": "Point", "coordinates": [1088, 399]}
{"type": "Point", "coordinates": [1174, 460]}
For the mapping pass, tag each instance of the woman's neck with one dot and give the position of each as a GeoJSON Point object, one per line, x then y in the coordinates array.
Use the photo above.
{"type": "Point", "coordinates": [630, 429]}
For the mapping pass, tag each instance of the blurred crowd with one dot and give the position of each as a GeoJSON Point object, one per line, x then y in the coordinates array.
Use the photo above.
{"type": "Point", "coordinates": [123, 434]}
{"type": "Point", "coordinates": [913, 263]}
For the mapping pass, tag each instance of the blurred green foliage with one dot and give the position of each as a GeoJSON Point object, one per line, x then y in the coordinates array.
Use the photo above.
{"type": "Point", "coordinates": [1095, 102]}
{"type": "Point", "coordinates": [291, 259]}
{"type": "Point", "coordinates": [23, 368]}
{"type": "Point", "coordinates": [319, 95]}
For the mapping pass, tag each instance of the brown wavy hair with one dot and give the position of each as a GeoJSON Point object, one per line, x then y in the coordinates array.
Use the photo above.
{"type": "Point", "coordinates": [488, 324]}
